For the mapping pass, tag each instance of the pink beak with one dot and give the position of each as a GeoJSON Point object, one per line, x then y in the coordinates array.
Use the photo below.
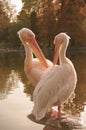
{"type": "Point", "coordinates": [36, 50]}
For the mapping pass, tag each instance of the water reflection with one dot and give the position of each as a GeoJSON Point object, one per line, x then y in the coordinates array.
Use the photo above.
{"type": "Point", "coordinates": [13, 79]}
{"type": "Point", "coordinates": [9, 72]}
{"type": "Point", "coordinates": [83, 115]}
{"type": "Point", "coordinates": [79, 102]}
{"type": "Point", "coordinates": [12, 76]}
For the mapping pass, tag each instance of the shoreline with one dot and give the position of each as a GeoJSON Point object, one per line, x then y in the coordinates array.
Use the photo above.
{"type": "Point", "coordinates": [71, 49]}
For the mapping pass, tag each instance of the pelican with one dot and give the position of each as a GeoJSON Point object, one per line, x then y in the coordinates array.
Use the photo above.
{"type": "Point", "coordinates": [34, 67]}
{"type": "Point", "coordinates": [58, 84]}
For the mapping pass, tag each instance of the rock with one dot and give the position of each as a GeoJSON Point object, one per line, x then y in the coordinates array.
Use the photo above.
{"type": "Point", "coordinates": [68, 122]}
{"type": "Point", "coordinates": [42, 121]}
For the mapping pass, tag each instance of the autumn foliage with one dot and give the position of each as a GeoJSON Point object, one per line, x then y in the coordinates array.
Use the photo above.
{"type": "Point", "coordinates": [46, 18]}
{"type": "Point", "coordinates": [54, 16]}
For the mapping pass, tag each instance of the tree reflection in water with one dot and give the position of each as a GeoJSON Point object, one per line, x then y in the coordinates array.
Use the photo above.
{"type": "Point", "coordinates": [8, 84]}
{"type": "Point", "coordinates": [11, 67]}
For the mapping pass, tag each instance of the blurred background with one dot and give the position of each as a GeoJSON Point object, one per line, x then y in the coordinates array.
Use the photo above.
{"type": "Point", "coordinates": [45, 18]}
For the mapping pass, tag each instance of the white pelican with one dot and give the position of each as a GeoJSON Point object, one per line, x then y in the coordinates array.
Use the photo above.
{"type": "Point", "coordinates": [58, 84]}
{"type": "Point", "coordinates": [33, 67]}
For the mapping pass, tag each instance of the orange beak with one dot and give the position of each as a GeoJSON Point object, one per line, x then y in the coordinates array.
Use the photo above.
{"type": "Point", "coordinates": [56, 53]}
{"type": "Point", "coordinates": [36, 50]}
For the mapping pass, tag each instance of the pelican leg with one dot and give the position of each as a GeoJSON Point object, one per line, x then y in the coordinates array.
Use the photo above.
{"type": "Point", "coordinates": [55, 114]}
{"type": "Point", "coordinates": [59, 112]}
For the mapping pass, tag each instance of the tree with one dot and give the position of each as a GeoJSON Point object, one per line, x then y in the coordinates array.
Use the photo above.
{"type": "Point", "coordinates": [12, 34]}
{"type": "Point", "coordinates": [70, 20]}
{"type": "Point", "coordinates": [4, 20]}
{"type": "Point", "coordinates": [7, 12]}
{"type": "Point", "coordinates": [33, 21]}
{"type": "Point", "coordinates": [54, 16]}
{"type": "Point", "coordinates": [46, 21]}
{"type": "Point", "coordinates": [26, 12]}
{"type": "Point", "coordinates": [4, 23]}
{"type": "Point", "coordinates": [10, 10]}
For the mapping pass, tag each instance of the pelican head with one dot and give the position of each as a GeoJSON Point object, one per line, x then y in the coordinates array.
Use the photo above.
{"type": "Point", "coordinates": [25, 34]}
{"type": "Point", "coordinates": [28, 37]}
{"type": "Point", "coordinates": [60, 40]}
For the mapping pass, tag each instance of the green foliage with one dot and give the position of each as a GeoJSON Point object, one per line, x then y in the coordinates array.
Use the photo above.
{"type": "Point", "coordinates": [23, 18]}
{"type": "Point", "coordinates": [29, 4]}
{"type": "Point", "coordinates": [24, 15]}
{"type": "Point", "coordinates": [5, 14]}
{"type": "Point", "coordinates": [12, 33]}
{"type": "Point", "coordinates": [33, 21]}
{"type": "Point", "coordinates": [3, 35]}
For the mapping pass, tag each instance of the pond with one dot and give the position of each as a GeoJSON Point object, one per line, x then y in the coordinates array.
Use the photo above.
{"type": "Point", "coordinates": [16, 95]}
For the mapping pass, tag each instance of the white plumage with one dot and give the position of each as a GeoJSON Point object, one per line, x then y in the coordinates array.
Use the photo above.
{"type": "Point", "coordinates": [34, 67]}
{"type": "Point", "coordinates": [58, 83]}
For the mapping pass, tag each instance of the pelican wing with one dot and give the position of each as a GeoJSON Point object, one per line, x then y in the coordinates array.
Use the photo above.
{"type": "Point", "coordinates": [55, 86]}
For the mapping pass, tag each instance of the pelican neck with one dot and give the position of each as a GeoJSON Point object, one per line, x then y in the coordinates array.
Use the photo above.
{"type": "Point", "coordinates": [28, 54]}
{"type": "Point", "coordinates": [62, 53]}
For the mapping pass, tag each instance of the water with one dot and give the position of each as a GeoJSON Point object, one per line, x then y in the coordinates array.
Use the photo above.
{"type": "Point", "coordinates": [16, 95]}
